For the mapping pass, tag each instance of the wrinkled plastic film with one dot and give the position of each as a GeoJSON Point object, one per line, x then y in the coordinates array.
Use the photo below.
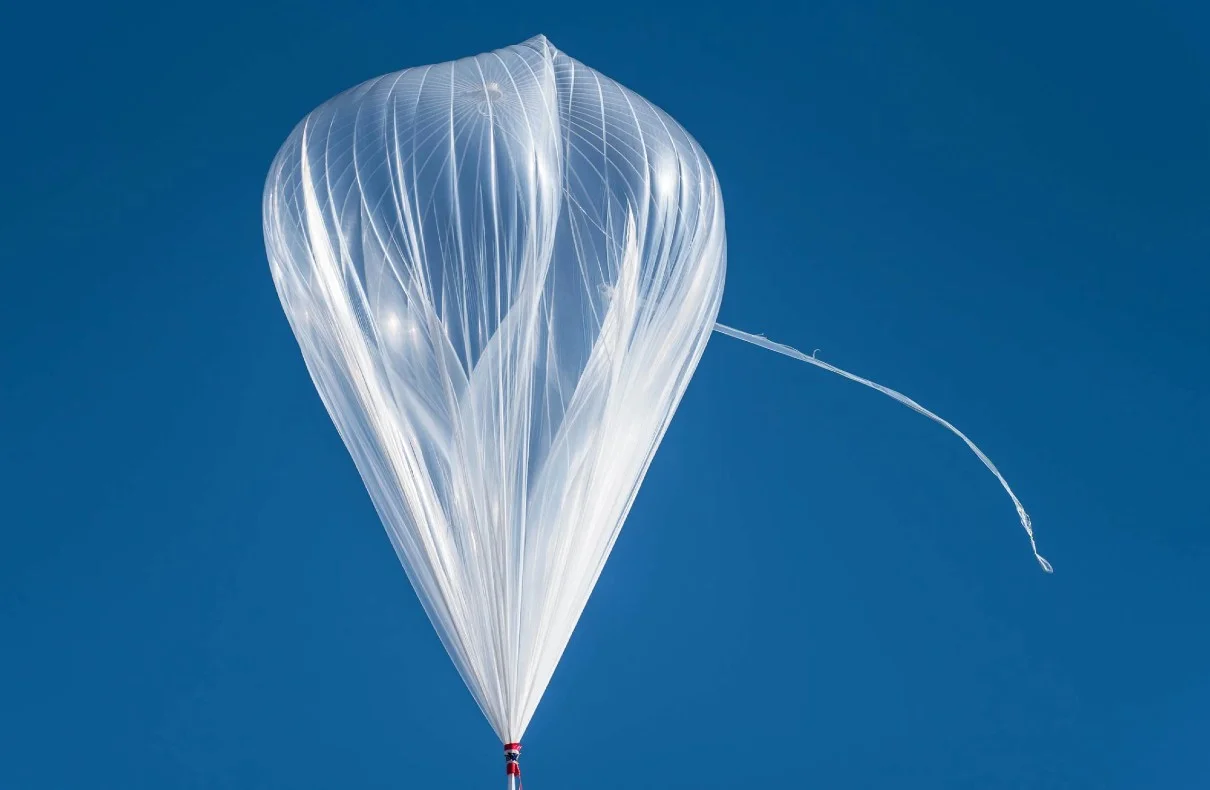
{"type": "Point", "coordinates": [502, 272]}
{"type": "Point", "coordinates": [763, 342]}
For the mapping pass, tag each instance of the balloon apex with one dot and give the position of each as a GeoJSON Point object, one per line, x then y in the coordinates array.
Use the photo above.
{"type": "Point", "coordinates": [540, 41]}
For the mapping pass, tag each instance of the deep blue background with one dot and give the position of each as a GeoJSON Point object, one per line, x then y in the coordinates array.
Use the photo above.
{"type": "Point", "coordinates": [1002, 209]}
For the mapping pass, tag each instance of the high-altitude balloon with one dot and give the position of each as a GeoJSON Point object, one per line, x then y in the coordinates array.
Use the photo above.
{"type": "Point", "coordinates": [502, 272]}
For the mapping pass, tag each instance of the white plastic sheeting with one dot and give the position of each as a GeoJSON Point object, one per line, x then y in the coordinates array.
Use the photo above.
{"type": "Point", "coordinates": [793, 353]}
{"type": "Point", "coordinates": [502, 272]}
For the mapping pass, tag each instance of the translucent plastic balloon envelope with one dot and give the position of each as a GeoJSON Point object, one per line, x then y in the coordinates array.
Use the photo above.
{"type": "Point", "coordinates": [502, 272]}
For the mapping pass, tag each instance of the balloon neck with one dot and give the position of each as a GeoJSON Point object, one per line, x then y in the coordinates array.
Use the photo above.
{"type": "Point", "coordinates": [512, 753]}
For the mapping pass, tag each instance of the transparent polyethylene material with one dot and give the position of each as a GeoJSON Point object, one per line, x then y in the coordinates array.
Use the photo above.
{"type": "Point", "coordinates": [502, 272]}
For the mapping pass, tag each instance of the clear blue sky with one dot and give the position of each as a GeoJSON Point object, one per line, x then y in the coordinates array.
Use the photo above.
{"type": "Point", "coordinates": [1001, 209]}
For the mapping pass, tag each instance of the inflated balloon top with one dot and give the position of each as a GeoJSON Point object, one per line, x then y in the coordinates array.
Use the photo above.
{"type": "Point", "coordinates": [502, 272]}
